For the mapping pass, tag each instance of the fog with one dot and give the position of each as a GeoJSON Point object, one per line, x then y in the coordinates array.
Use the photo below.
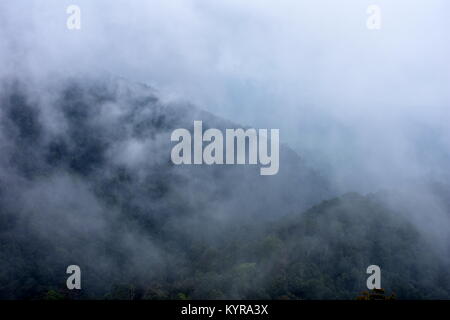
{"type": "Point", "coordinates": [366, 109]}
{"type": "Point", "coordinates": [355, 102]}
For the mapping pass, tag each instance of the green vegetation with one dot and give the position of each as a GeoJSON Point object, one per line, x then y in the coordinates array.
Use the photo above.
{"type": "Point", "coordinates": [98, 190]}
{"type": "Point", "coordinates": [320, 254]}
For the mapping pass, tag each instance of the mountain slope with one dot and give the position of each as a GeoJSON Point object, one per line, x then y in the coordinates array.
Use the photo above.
{"type": "Point", "coordinates": [86, 179]}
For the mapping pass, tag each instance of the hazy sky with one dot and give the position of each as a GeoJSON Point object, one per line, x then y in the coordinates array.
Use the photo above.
{"type": "Point", "coordinates": [366, 106]}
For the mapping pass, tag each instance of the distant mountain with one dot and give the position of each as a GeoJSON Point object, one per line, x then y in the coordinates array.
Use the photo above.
{"type": "Point", "coordinates": [87, 179]}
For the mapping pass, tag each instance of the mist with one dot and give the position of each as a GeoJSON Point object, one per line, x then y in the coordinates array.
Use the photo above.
{"type": "Point", "coordinates": [356, 102]}
{"type": "Point", "coordinates": [357, 109]}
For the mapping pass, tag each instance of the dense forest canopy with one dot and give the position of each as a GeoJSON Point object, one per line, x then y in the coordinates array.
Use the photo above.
{"type": "Point", "coordinates": [86, 179]}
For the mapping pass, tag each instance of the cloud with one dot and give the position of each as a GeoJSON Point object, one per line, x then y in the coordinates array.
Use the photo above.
{"type": "Point", "coordinates": [336, 90]}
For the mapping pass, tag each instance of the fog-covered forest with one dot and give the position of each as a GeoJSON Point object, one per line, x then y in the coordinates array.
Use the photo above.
{"type": "Point", "coordinates": [96, 188]}
{"type": "Point", "coordinates": [86, 176]}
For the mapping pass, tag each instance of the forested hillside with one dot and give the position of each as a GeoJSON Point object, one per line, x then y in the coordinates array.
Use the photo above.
{"type": "Point", "coordinates": [86, 179]}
